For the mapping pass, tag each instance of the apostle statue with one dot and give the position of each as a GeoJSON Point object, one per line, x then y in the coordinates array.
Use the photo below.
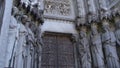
{"type": "Point", "coordinates": [109, 45]}
{"type": "Point", "coordinates": [27, 41]}
{"type": "Point", "coordinates": [12, 37]}
{"type": "Point", "coordinates": [84, 51]}
{"type": "Point", "coordinates": [29, 49]}
{"type": "Point", "coordinates": [96, 47]}
{"type": "Point", "coordinates": [19, 40]}
{"type": "Point", "coordinates": [117, 34]}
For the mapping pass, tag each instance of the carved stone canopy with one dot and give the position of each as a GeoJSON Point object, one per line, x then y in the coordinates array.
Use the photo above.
{"type": "Point", "coordinates": [27, 8]}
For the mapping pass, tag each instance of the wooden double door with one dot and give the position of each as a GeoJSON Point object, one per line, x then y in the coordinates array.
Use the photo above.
{"type": "Point", "coordinates": [58, 51]}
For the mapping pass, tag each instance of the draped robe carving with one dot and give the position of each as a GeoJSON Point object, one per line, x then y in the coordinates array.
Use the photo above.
{"type": "Point", "coordinates": [96, 48]}
{"type": "Point", "coordinates": [84, 51]}
{"type": "Point", "coordinates": [28, 47]}
{"type": "Point", "coordinates": [32, 49]}
{"type": "Point", "coordinates": [109, 45]}
{"type": "Point", "coordinates": [117, 35]}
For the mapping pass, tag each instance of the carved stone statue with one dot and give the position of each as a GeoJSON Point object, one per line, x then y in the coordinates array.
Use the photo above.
{"type": "Point", "coordinates": [25, 46]}
{"type": "Point", "coordinates": [30, 44]}
{"type": "Point", "coordinates": [33, 46]}
{"type": "Point", "coordinates": [117, 34]}
{"type": "Point", "coordinates": [109, 45]}
{"type": "Point", "coordinates": [12, 38]}
{"type": "Point", "coordinates": [2, 8]}
{"type": "Point", "coordinates": [96, 48]}
{"type": "Point", "coordinates": [21, 42]}
{"type": "Point", "coordinates": [84, 51]}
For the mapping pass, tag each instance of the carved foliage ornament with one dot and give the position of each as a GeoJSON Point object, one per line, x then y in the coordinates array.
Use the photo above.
{"type": "Point", "coordinates": [58, 7]}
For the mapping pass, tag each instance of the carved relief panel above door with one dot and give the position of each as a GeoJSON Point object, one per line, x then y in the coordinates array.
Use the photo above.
{"type": "Point", "coordinates": [59, 8]}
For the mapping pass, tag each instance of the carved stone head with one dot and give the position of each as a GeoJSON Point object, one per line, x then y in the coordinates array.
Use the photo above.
{"type": "Point", "coordinates": [94, 28]}
{"type": "Point", "coordinates": [105, 26]}
{"type": "Point", "coordinates": [24, 19]}
{"type": "Point", "coordinates": [15, 11]}
{"type": "Point", "coordinates": [83, 32]}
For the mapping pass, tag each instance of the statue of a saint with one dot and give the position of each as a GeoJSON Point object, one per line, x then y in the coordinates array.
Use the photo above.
{"type": "Point", "coordinates": [96, 48]}
{"type": "Point", "coordinates": [117, 34]}
{"type": "Point", "coordinates": [109, 45]}
{"type": "Point", "coordinates": [84, 51]}
{"type": "Point", "coordinates": [30, 44]}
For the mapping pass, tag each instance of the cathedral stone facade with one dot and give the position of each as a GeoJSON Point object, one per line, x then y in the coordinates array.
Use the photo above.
{"type": "Point", "coordinates": [59, 33]}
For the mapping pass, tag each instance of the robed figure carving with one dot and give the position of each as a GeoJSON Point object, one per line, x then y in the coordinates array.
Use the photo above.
{"type": "Point", "coordinates": [84, 51]}
{"type": "Point", "coordinates": [117, 35]}
{"type": "Point", "coordinates": [96, 48]}
{"type": "Point", "coordinates": [109, 45]}
{"type": "Point", "coordinates": [27, 44]}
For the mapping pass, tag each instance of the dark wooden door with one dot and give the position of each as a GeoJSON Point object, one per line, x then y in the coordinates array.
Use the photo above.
{"type": "Point", "coordinates": [58, 51]}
